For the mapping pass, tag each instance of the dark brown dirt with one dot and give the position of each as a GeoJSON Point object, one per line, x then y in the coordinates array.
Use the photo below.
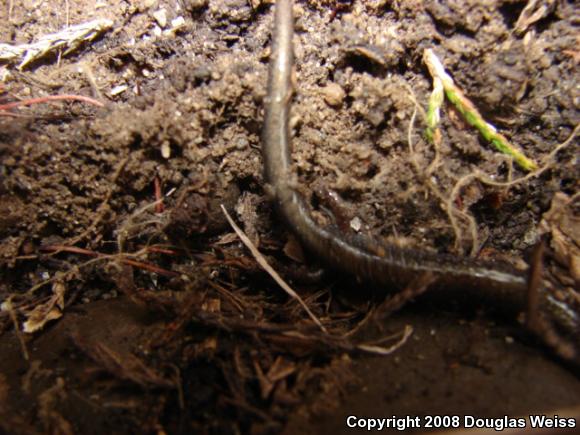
{"type": "Point", "coordinates": [168, 324]}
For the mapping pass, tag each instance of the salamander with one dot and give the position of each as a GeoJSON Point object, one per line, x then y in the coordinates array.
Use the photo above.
{"type": "Point", "coordinates": [384, 265]}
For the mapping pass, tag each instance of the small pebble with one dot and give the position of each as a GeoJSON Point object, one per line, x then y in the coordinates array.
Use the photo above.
{"type": "Point", "coordinates": [161, 17]}
{"type": "Point", "coordinates": [356, 224]}
{"type": "Point", "coordinates": [333, 94]}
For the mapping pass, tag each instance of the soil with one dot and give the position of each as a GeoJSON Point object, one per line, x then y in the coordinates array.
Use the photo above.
{"type": "Point", "coordinates": [147, 313]}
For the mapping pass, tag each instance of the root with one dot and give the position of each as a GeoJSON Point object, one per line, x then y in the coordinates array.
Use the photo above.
{"type": "Point", "coordinates": [459, 218]}
{"type": "Point", "coordinates": [447, 202]}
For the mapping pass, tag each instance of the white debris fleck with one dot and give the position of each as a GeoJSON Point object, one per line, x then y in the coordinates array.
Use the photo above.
{"type": "Point", "coordinates": [118, 90]}
{"type": "Point", "coordinates": [165, 150]}
{"type": "Point", "coordinates": [178, 22]}
{"type": "Point", "coordinates": [4, 74]}
{"type": "Point", "coordinates": [356, 224]}
{"type": "Point", "coordinates": [161, 17]}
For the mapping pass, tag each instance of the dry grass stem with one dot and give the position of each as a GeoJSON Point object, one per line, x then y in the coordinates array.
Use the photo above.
{"type": "Point", "coordinates": [262, 262]}
{"type": "Point", "coordinates": [70, 39]}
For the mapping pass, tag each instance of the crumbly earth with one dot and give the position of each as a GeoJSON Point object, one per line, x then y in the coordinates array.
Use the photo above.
{"type": "Point", "coordinates": [110, 218]}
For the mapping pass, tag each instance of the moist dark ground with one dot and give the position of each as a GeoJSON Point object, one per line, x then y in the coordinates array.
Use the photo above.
{"type": "Point", "coordinates": [176, 329]}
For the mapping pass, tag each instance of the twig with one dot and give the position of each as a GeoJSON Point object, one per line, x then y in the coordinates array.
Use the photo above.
{"type": "Point", "coordinates": [419, 285]}
{"type": "Point", "coordinates": [124, 365]}
{"type": "Point", "coordinates": [149, 267]}
{"type": "Point", "coordinates": [7, 305]}
{"type": "Point", "coordinates": [380, 350]}
{"type": "Point", "coordinates": [235, 300]}
{"type": "Point", "coordinates": [289, 334]}
{"type": "Point", "coordinates": [140, 264]}
{"type": "Point", "coordinates": [48, 98]}
{"type": "Point", "coordinates": [158, 195]}
{"type": "Point", "coordinates": [262, 262]}
{"type": "Point", "coordinates": [472, 115]}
